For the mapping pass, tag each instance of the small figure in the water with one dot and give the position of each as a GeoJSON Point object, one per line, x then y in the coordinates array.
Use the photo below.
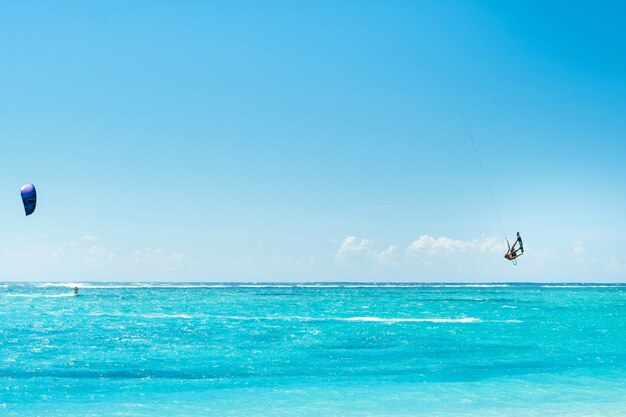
{"type": "Point", "coordinates": [514, 252]}
{"type": "Point", "coordinates": [75, 290]}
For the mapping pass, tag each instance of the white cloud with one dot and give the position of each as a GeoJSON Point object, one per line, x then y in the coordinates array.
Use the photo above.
{"type": "Point", "coordinates": [363, 250]}
{"type": "Point", "coordinates": [431, 246]}
{"type": "Point", "coordinates": [491, 245]}
{"type": "Point", "coordinates": [389, 255]}
{"type": "Point", "coordinates": [351, 246]}
{"type": "Point", "coordinates": [390, 252]}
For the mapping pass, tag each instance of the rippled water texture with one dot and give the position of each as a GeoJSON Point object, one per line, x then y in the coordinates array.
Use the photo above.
{"type": "Point", "coordinates": [312, 350]}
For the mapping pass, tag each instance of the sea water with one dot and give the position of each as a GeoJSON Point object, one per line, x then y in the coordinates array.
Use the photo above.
{"type": "Point", "coordinates": [312, 350]}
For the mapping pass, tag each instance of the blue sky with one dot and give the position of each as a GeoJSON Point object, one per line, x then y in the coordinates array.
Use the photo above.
{"type": "Point", "coordinates": [284, 141]}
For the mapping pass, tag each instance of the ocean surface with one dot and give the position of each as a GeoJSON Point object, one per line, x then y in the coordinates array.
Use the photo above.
{"type": "Point", "coordinates": [312, 350]}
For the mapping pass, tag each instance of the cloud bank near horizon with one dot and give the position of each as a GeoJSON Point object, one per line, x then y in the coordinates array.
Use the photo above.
{"type": "Point", "coordinates": [353, 258]}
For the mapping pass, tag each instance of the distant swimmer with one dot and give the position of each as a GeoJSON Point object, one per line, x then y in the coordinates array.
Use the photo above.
{"type": "Point", "coordinates": [76, 291]}
{"type": "Point", "coordinates": [513, 252]}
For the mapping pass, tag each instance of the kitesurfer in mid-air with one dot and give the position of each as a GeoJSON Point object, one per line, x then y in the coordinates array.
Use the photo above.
{"type": "Point", "coordinates": [514, 252]}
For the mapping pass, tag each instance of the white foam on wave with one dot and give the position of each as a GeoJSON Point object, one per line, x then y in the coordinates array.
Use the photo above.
{"type": "Point", "coordinates": [87, 285]}
{"type": "Point", "coordinates": [183, 286]}
{"type": "Point", "coordinates": [358, 319]}
{"type": "Point", "coordinates": [408, 285]}
{"type": "Point", "coordinates": [167, 316]}
{"type": "Point", "coordinates": [145, 316]}
{"type": "Point", "coordinates": [40, 295]}
{"type": "Point", "coordinates": [468, 285]}
{"type": "Point", "coordinates": [261, 285]}
{"type": "Point", "coordinates": [580, 286]}
{"type": "Point", "coordinates": [123, 286]}
{"type": "Point", "coordinates": [60, 284]}
{"type": "Point", "coordinates": [325, 285]}
{"type": "Point", "coordinates": [382, 285]}
{"type": "Point", "coordinates": [363, 319]}
{"type": "Point", "coordinates": [112, 314]}
{"type": "Point", "coordinates": [192, 286]}
{"type": "Point", "coordinates": [151, 286]}
{"type": "Point", "coordinates": [319, 285]}
{"type": "Point", "coordinates": [106, 287]}
{"type": "Point", "coordinates": [412, 320]}
{"type": "Point", "coordinates": [159, 285]}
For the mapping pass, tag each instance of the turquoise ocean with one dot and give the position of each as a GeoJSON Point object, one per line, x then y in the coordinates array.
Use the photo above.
{"type": "Point", "coordinates": [156, 349]}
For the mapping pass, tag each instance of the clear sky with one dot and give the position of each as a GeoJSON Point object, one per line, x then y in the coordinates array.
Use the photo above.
{"type": "Point", "coordinates": [318, 141]}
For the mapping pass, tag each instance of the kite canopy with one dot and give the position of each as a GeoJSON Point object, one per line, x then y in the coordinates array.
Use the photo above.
{"type": "Point", "coordinates": [29, 198]}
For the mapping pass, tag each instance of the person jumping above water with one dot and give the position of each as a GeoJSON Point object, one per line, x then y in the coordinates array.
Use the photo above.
{"type": "Point", "coordinates": [514, 252]}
